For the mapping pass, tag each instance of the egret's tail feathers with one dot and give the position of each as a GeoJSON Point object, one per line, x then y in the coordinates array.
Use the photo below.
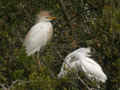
{"type": "Point", "coordinates": [103, 78]}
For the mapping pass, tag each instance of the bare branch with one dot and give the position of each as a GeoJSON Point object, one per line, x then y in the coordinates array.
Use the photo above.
{"type": "Point", "coordinates": [79, 78]}
{"type": "Point", "coordinates": [13, 83]}
{"type": "Point", "coordinates": [64, 9]}
{"type": "Point", "coordinates": [6, 87]}
{"type": "Point", "coordinates": [51, 72]}
{"type": "Point", "coordinates": [58, 53]}
{"type": "Point", "coordinates": [66, 16]}
{"type": "Point", "coordinates": [3, 86]}
{"type": "Point", "coordinates": [20, 82]}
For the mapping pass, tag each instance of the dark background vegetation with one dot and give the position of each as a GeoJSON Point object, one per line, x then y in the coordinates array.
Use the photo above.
{"type": "Point", "coordinates": [80, 23]}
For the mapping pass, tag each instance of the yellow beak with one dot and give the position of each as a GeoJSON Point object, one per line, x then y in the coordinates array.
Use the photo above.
{"type": "Point", "coordinates": [52, 18]}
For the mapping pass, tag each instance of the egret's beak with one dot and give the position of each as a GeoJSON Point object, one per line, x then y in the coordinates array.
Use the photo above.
{"type": "Point", "coordinates": [52, 18]}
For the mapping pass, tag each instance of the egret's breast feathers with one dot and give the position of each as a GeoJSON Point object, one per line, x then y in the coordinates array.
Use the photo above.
{"type": "Point", "coordinates": [37, 37]}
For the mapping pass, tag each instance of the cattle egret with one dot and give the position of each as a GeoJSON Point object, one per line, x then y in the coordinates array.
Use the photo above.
{"type": "Point", "coordinates": [39, 34]}
{"type": "Point", "coordinates": [80, 60]}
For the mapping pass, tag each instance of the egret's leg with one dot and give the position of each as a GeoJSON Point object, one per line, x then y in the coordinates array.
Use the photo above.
{"type": "Point", "coordinates": [33, 57]}
{"type": "Point", "coordinates": [38, 59]}
{"type": "Point", "coordinates": [37, 56]}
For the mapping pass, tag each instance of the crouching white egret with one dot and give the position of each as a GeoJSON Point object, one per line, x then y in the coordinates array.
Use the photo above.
{"type": "Point", "coordinates": [80, 60]}
{"type": "Point", "coordinates": [39, 34]}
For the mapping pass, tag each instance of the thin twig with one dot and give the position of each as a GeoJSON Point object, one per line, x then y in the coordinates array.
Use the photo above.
{"type": "Point", "coordinates": [79, 78]}
{"type": "Point", "coordinates": [59, 54]}
{"type": "Point", "coordinates": [13, 83]}
{"type": "Point", "coordinates": [64, 10]}
{"type": "Point", "coordinates": [51, 72]}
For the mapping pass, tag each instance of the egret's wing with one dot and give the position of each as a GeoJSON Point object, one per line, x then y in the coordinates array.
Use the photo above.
{"type": "Point", "coordinates": [73, 59]}
{"type": "Point", "coordinates": [36, 38]}
{"type": "Point", "coordinates": [68, 67]}
{"type": "Point", "coordinates": [82, 51]}
{"type": "Point", "coordinates": [93, 69]}
{"type": "Point", "coordinates": [92, 62]}
{"type": "Point", "coordinates": [88, 65]}
{"type": "Point", "coordinates": [70, 63]}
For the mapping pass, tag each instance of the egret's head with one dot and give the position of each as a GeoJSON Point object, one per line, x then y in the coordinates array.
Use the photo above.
{"type": "Point", "coordinates": [45, 16]}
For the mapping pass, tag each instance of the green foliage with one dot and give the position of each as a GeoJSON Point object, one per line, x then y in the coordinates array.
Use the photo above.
{"type": "Point", "coordinates": [98, 27]}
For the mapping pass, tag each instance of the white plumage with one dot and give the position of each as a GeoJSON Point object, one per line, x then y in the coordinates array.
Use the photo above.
{"type": "Point", "coordinates": [39, 34]}
{"type": "Point", "coordinates": [80, 60]}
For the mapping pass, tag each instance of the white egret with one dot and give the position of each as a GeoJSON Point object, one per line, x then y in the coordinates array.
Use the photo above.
{"type": "Point", "coordinates": [80, 60]}
{"type": "Point", "coordinates": [39, 34]}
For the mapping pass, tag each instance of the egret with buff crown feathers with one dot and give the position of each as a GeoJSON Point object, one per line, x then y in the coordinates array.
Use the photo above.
{"type": "Point", "coordinates": [39, 34]}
